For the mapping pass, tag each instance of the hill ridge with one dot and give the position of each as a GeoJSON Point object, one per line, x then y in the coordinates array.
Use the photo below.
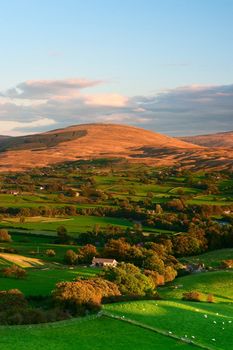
{"type": "Point", "coordinates": [106, 140]}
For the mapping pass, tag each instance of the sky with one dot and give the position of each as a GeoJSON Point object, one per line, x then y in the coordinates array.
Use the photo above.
{"type": "Point", "coordinates": [164, 65]}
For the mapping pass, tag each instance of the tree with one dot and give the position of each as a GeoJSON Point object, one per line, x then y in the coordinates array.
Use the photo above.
{"type": "Point", "coordinates": [158, 209]}
{"type": "Point", "coordinates": [4, 236]}
{"type": "Point", "coordinates": [70, 257]}
{"type": "Point", "coordinates": [14, 271]}
{"type": "Point", "coordinates": [83, 293]}
{"type": "Point", "coordinates": [153, 262]}
{"type": "Point", "coordinates": [169, 274]}
{"type": "Point", "coordinates": [62, 234]}
{"type": "Point", "coordinates": [129, 279]}
{"type": "Point", "coordinates": [87, 253]}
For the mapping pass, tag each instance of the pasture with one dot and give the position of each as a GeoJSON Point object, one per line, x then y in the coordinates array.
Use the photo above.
{"type": "Point", "coordinates": [87, 334]}
{"type": "Point", "coordinates": [74, 225]}
{"type": "Point", "coordinates": [42, 281]}
{"type": "Point", "coordinates": [207, 283]}
{"type": "Point", "coordinates": [212, 258]}
{"type": "Point", "coordinates": [209, 325]}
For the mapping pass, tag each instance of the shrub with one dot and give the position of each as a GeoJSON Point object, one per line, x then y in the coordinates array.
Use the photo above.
{"type": "Point", "coordinates": [50, 252]}
{"type": "Point", "coordinates": [70, 257]}
{"type": "Point", "coordinates": [4, 236]}
{"type": "Point", "coordinates": [14, 271]}
{"type": "Point", "coordinates": [227, 264]}
{"type": "Point", "coordinates": [210, 298]}
{"type": "Point", "coordinates": [12, 299]}
{"type": "Point", "coordinates": [192, 296]}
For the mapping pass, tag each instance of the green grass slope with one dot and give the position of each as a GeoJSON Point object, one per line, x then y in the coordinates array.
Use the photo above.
{"type": "Point", "coordinates": [95, 334]}
{"type": "Point", "coordinates": [208, 325]}
{"type": "Point", "coordinates": [218, 283]}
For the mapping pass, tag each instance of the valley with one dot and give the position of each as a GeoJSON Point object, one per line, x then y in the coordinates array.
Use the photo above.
{"type": "Point", "coordinates": [159, 220]}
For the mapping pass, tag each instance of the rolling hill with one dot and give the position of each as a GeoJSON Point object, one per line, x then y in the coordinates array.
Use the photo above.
{"type": "Point", "coordinates": [90, 141]}
{"type": "Point", "coordinates": [219, 140]}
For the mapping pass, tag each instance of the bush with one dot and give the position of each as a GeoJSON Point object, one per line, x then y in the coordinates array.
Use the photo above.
{"type": "Point", "coordinates": [4, 236]}
{"type": "Point", "coordinates": [227, 264]}
{"type": "Point", "coordinates": [12, 299]}
{"type": "Point", "coordinates": [70, 257]}
{"type": "Point", "coordinates": [14, 271]}
{"type": "Point", "coordinates": [210, 298]}
{"type": "Point", "coordinates": [192, 296]}
{"type": "Point", "coordinates": [50, 252]}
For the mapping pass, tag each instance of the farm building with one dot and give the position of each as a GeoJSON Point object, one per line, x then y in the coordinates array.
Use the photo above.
{"type": "Point", "coordinates": [102, 262]}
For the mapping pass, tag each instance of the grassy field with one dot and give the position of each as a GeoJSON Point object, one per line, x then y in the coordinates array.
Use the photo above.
{"type": "Point", "coordinates": [213, 258]}
{"type": "Point", "coordinates": [98, 334]}
{"type": "Point", "coordinates": [42, 281]}
{"type": "Point", "coordinates": [210, 325]}
{"type": "Point", "coordinates": [74, 225]}
{"type": "Point", "coordinates": [207, 283]}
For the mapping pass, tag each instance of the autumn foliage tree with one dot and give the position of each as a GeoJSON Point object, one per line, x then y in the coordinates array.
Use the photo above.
{"type": "Point", "coordinates": [4, 235]}
{"type": "Point", "coordinates": [83, 295]}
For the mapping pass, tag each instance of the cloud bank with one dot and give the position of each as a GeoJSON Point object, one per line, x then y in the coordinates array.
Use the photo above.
{"type": "Point", "coordinates": [39, 105]}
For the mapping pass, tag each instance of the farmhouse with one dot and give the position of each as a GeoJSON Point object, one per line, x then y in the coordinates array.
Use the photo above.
{"type": "Point", "coordinates": [102, 262]}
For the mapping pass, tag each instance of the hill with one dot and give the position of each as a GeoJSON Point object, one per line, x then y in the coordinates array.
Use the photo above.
{"type": "Point", "coordinates": [220, 140]}
{"type": "Point", "coordinates": [91, 141]}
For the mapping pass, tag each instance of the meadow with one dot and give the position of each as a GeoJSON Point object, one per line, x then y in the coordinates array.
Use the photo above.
{"type": "Point", "coordinates": [208, 325]}
{"type": "Point", "coordinates": [206, 283]}
{"type": "Point", "coordinates": [86, 334]}
{"type": "Point", "coordinates": [43, 280]}
{"type": "Point", "coordinates": [166, 324]}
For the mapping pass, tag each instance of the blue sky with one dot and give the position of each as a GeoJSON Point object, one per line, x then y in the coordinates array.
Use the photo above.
{"type": "Point", "coordinates": [176, 53]}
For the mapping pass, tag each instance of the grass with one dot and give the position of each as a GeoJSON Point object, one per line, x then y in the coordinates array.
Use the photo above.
{"type": "Point", "coordinates": [35, 246]}
{"type": "Point", "coordinates": [213, 258]}
{"type": "Point", "coordinates": [74, 225]}
{"type": "Point", "coordinates": [43, 281]}
{"type": "Point", "coordinates": [21, 260]}
{"type": "Point", "coordinates": [207, 283]}
{"type": "Point", "coordinates": [183, 319]}
{"type": "Point", "coordinates": [98, 334]}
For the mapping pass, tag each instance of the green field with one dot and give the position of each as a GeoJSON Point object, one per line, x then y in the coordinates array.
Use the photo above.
{"type": "Point", "coordinates": [86, 334]}
{"type": "Point", "coordinates": [210, 325]}
{"type": "Point", "coordinates": [213, 258]}
{"type": "Point", "coordinates": [74, 225]}
{"type": "Point", "coordinates": [207, 283]}
{"type": "Point", "coordinates": [42, 281]}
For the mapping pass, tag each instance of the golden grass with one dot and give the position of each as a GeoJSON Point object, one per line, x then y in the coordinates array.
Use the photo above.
{"type": "Point", "coordinates": [21, 260]}
{"type": "Point", "coordinates": [108, 141]}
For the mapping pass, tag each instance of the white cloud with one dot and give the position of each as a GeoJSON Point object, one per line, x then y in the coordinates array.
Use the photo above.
{"type": "Point", "coordinates": [45, 89]}
{"type": "Point", "coordinates": [35, 106]}
{"type": "Point", "coordinates": [111, 100]}
{"type": "Point", "coordinates": [13, 127]}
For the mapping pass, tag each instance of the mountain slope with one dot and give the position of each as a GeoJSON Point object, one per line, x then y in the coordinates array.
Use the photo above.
{"type": "Point", "coordinates": [90, 141]}
{"type": "Point", "coordinates": [219, 140]}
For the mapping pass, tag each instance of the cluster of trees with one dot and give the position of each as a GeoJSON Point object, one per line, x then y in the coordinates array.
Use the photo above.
{"type": "Point", "coordinates": [131, 280]}
{"type": "Point", "coordinates": [15, 309]}
{"type": "Point", "coordinates": [83, 295]}
{"type": "Point", "coordinates": [84, 255]}
{"type": "Point", "coordinates": [14, 271]}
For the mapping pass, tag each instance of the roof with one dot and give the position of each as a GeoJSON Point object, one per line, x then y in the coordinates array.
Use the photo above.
{"type": "Point", "coordinates": [103, 260]}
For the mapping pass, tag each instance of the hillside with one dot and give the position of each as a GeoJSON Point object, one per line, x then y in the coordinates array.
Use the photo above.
{"type": "Point", "coordinates": [90, 141]}
{"type": "Point", "coordinates": [221, 140]}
